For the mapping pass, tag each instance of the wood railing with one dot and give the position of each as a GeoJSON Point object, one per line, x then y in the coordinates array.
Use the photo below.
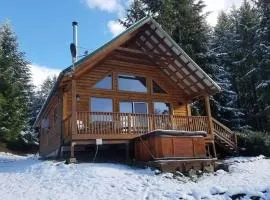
{"type": "Point", "coordinates": [131, 123]}
{"type": "Point", "coordinates": [224, 134]}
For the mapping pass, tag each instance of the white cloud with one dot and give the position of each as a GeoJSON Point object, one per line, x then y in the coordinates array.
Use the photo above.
{"type": "Point", "coordinates": [216, 6]}
{"type": "Point", "coordinates": [40, 73]}
{"type": "Point", "coordinates": [107, 5]}
{"type": "Point", "coordinates": [115, 27]}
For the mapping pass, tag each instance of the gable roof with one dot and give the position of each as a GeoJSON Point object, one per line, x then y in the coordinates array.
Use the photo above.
{"type": "Point", "coordinates": [152, 40]}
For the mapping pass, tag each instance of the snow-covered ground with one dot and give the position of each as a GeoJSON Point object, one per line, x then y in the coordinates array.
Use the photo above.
{"type": "Point", "coordinates": [26, 177]}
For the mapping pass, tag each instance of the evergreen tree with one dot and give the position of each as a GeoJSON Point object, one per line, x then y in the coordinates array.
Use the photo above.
{"type": "Point", "coordinates": [15, 86]}
{"type": "Point", "coordinates": [225, 107]}
{"type": "Point", "coordinates": [245, 24]}
{"type": "Point", "coordinates": [262, 53]}
{"type": "Point", "coordinates": [39, 97]}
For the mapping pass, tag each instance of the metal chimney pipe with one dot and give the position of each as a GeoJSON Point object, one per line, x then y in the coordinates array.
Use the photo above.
{"type": "Point", "coordinates": [75, 38]}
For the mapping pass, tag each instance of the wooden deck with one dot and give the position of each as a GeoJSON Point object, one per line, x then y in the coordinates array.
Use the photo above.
{"type": "Point", "coordinates": [117, 127]}
{"type": "Point", "coordinates": [107, 125]}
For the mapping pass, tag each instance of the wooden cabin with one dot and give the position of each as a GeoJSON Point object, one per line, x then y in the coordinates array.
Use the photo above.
{"type": "Point", "coordinates": [136, 89]}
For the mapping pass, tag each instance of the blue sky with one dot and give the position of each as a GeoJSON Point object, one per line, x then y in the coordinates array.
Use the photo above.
{"type": "Point", "coordinates": [44, 28]}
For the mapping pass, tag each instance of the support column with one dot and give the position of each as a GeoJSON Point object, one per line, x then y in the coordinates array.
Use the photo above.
{"type": "Point", "coordinates": [73, 107]}
{"type": "Point", "coordinates": [73, 119]}
{"type": "Point", "coordinates": [208, 113]}
{"type": "Point", "coordinates": [210, 124]}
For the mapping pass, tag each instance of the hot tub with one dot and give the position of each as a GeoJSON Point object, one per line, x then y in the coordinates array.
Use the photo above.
{"type": "Point", "coordinates": [170, 144]}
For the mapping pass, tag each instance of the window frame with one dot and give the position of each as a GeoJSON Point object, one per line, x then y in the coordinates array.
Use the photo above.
{"type": "Point", "coordinates": [106, 89]}
{"type": "Point", "coordinates": [132, 74]}
{"type": "Point", "coordinates": [171, 110]}
{"type": "Point", "coordinates": [152, 88]}
{"type": "Point", "coordinates": [100, 97]}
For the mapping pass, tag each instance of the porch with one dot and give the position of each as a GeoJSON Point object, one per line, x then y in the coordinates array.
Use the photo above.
{"type": "Point", "coordinates": [126, 126]}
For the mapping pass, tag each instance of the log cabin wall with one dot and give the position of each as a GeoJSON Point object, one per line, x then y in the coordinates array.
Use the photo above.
{"type": "Point", "coordinates": [115, 64]}
{"type": "Point", "coordinates": [50, 137]}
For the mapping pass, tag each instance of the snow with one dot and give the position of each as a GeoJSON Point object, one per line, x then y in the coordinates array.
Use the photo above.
{"type": "Point", "coordinates": [27, 177]}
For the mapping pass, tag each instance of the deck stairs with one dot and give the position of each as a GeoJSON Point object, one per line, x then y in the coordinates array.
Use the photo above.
{"type": "Point", "coordinates": [224, 137]}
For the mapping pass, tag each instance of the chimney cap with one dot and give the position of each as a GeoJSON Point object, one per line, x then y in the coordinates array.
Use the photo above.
{"type": "Point", "coordinates": [74, 23]}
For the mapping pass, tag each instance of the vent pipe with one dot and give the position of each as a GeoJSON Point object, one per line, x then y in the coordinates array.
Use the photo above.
{"type": "Point", "coordinates": [75, 39]}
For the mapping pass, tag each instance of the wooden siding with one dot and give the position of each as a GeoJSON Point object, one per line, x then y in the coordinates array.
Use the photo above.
{"type": "Point", "coordinates": [117, 63]}
{"type": "Point", "coordinates": [50, 138]}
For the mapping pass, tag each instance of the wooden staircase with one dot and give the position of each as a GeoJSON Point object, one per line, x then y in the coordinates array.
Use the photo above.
{"type": "Point", "coordinates": [224, 137]}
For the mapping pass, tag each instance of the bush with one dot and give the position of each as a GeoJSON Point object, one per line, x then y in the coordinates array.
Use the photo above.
{"type": "Point", "coordinates": [21, 144]}
{"type": "Point", "coordinates": [253, 143]}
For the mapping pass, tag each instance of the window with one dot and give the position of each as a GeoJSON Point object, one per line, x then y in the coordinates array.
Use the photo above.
{"type": "Point", "coordinates": [132, 83]}
{"type": "Point", "coordinates": [105, 83]}
{"type": "Point", "coordinates": [133, 107]}
{"type": "Point", "coordinates": [157, 88]}
{"type": "Point", "coordinates": [161, 108]}
{"type": "Point", "coordinates": [101, 104]}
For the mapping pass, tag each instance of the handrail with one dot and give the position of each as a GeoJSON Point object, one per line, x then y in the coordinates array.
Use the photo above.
{"type": "Point", "coordinates": [136, 123]}
{"type": "Point", "coordinates": [224, 133]}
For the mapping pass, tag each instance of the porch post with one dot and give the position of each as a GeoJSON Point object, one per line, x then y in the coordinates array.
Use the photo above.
{"type": "Point", "coordinates": [208, 113]}
{"type": "Point", "coordinates": [73, 118]}
{"type": "Point", "coordinates": [73, 109]}
{"type": "Point", "coordinates": [210, 124]}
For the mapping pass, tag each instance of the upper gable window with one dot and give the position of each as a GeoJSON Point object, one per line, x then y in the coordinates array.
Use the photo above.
{"type": "Point", "coordinates": [105, 83]}
{"type": "Point", "coordinates": [157, 88]}
{"type": "Point", "coordinates": [132, 83]}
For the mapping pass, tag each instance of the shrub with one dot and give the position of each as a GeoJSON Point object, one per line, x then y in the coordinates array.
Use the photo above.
{"type": "Point", "coordinates": [23, 145]}
{"type": "Point", "coordinates": [252, 143]}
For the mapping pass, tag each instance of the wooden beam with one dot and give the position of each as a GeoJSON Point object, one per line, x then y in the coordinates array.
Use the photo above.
{"type": "Point", "coordinates": [73, 107]}
{"type": "Point", "coordinates": [136, 51]}
{"type": "Point", "coordinates": [208, 113]}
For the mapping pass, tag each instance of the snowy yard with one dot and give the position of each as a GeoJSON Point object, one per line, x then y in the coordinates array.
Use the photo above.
{"type": "Point", "coordinates": [30, 178]}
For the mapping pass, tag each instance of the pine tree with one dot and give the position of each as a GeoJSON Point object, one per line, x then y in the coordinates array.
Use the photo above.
{"type": "Point", "coordinates": [243, 62]}
{"type": "Point", "coordinates": [39, 97]}
{"type": "Point", "coordinates": [226, 107]}
{"type": "Point", "coordinates": [262, 53]}
{"type": "Point", "coordinates": [15, 86]}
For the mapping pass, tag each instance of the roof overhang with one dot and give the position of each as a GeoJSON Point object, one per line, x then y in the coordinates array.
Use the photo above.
{"type": "Point", "coordinates": [158, 45]}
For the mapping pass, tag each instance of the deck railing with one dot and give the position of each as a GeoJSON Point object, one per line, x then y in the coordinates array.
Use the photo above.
{"type": "Point", "coordinates": [133, 123]}
{"type": "Point", "coordinates": [224, 134]}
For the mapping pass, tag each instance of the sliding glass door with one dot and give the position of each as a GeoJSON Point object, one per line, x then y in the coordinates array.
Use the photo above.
{"type": "Point", "coordinates": [135, 117]}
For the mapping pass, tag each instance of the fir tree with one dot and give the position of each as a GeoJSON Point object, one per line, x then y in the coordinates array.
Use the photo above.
{"type": "Point", "coordinates": [262, 53]}
{"type": "Point", "coordinates": [39, 97]}
{"type": "Point", "coordinates": [225, 108]}
{"type": "Point", "coordinates": [15, 86]}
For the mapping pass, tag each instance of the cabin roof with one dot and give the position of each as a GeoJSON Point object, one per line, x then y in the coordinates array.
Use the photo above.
{"type": "Point", "coordinates": [154, 42]}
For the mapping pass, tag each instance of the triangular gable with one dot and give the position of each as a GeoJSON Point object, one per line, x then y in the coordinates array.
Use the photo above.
{"type": "Point", "coordinates": [159, 46]}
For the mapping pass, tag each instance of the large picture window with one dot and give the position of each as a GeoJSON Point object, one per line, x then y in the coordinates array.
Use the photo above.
{"type": "Point", "coordinates": [105, 83]}
{"type": "Point", "coordinates": [132, 83]}
{"type": "Point", "coordinates": [101, 104]}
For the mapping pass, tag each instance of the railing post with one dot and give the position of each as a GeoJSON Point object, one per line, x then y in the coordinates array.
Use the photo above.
{"type": "Point", "coordinates": [129, 123]}
{"type": "Point", "coordinates": [154, 122]}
